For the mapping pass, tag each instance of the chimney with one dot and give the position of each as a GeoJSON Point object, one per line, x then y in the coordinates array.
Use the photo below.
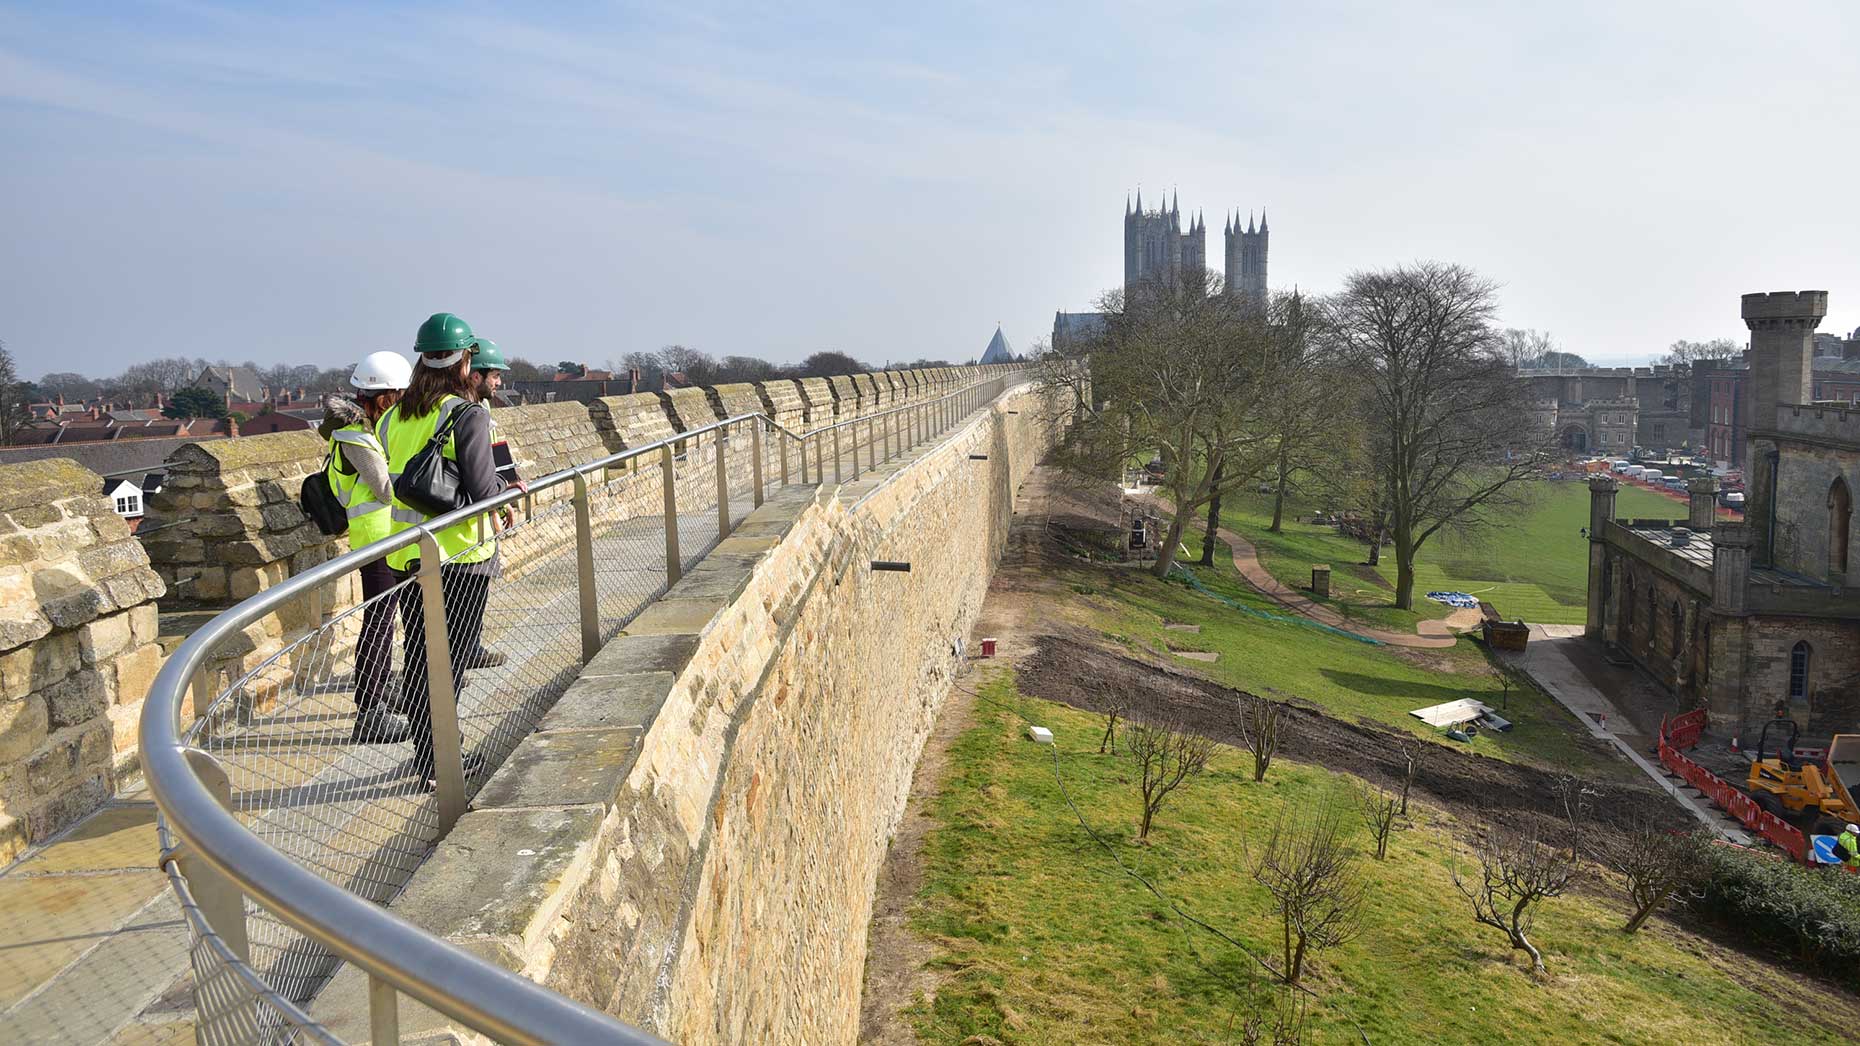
{"type": "Point", "coordinates": [232, 428]}
{"type": "Point", "coordinates": [632, 379]}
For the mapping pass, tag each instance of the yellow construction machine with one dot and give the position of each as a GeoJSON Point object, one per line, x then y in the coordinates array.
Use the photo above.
{"type": "Point", "coordinates": [1811, 791]}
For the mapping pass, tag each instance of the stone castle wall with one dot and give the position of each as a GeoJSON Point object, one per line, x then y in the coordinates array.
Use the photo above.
{"type": "Point", "coordinates": [691, 838]}
{"type": "Point", "coordinates": [78, 627]}
{"type": "Point", "coordinates": [77, 648]}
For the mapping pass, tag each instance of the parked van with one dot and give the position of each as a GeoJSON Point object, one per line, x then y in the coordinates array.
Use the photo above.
{"type": "Point", "coordinates": [1635, 471]}
{"type": "Point", "coordinates": [1653, 475]}
{"type": "Point", "coordinates": [1675, 482]}
{"type": "Point", "coordinates": [1732, 499]}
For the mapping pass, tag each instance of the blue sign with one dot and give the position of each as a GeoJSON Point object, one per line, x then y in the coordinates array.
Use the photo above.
{"type": "Point", "coordinates": [1822, 849]}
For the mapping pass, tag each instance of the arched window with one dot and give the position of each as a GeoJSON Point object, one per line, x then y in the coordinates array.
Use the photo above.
{"type": "Point", "coordinates": [1678, 620]}
{"type": "Point", "coordinates": [1798, 671]}
{"type": "Point", "coordinates": [1840, 512]}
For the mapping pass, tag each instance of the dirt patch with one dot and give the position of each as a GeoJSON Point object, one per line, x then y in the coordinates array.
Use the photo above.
{"type": "Point", "coordinates": [1089, 677]}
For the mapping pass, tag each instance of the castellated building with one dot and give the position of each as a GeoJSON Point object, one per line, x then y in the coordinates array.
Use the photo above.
{"type": "Point", "coordinates": [1156, 250]}
{"type": "Point", "coordinates": [1762, 615]}
{"type": "Point", "coordinates": [1612, 410]}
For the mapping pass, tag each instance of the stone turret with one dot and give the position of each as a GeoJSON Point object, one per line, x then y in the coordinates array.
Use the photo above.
{"type": "Point", "coordinates": [1701, 502]}
{"type": "Point", "coordinates": [1601, 515]}
{"type": "Point", "coordinates": [1782, 349]}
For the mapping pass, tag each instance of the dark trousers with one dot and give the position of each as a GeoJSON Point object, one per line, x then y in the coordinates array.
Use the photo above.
{"type": "Point", "coordinates": [374, 649]}
{"type": "Point", "coordinates": [464, 595]}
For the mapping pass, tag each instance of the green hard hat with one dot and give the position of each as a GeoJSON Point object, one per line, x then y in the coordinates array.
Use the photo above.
{"type": "Point", "coordinates": [485, 355]}
{"type": "Point", "coordinates": [442, 332]}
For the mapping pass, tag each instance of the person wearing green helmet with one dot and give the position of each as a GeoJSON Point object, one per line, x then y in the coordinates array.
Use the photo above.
{"type": "Point", "coordinates": [487, 369]}
{"type": "Point", "coordinates": [441, 405]}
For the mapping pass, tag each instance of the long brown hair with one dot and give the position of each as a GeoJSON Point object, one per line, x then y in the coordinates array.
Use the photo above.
{"type": "Point", "coordinates": [431, 385]}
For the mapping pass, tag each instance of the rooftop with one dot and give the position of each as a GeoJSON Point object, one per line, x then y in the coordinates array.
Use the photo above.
{"type": "Point", "coordinates": [1698, 551]}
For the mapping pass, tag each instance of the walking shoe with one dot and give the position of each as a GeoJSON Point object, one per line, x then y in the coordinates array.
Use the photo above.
{"type": "Point", "coordinates": [378, 725]}
{"type": "Point", "coordinates": [483, 658]}
{"type": "Point", "coordinates": [473, 764]}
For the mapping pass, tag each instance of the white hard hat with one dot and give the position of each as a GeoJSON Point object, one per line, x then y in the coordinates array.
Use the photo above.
{"type": "Point", "coordinates": [382, 370]}
{"type": "Point", "coordinates": [1854, 828]}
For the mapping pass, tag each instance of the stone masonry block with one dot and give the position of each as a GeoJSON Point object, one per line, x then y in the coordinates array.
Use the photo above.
{"type": "Point", "coordinates": [23, 726]}
{"type": "Point", "coordinates": [607, 702]}
{"type": "Point", "coordinates": [134, 672]}
{"type": "Point", "coordinates": [563, 768]}
{"type": "Point", "coordinates": [104, 638]}
{"type": "Point", "coordinates": [502, 873]}
{"type": "Point", "coordinates": [78, 699]}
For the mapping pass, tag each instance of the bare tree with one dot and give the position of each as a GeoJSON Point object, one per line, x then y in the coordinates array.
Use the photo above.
{"type": "Point", "coordinates": [1259, 730]}
{"type": "Point", "coordinates": [1166, 755]}
{"type": "Point", "coordinates": [1524, 349]}
{"type": "Point", "coordinates": [1380, 809]}
{"type": "Point", "coordinates": [1116, 712]}
{"type": "Point", "coordinates": [1279, 1022]}
{"type": "Point", "coordinates": [165, 374]}
{"type": "Point", "coordinates": [1683, 351]}
{"type": "Point", "coordinates": [15, 399]}
{"type": "Point", "coordinates": [1413, 752]}
{"type": "Point", "coordinates": [827, 364]}
{"type": "Point", "coordinates": [1518, 870]}
{"type": "Point", "coordinates": [1442, 403]}
{"type": "Point", "coordinates": [1315, 891]}
{"type": "Point", "coordinates": [698, 367]}
{"type": "Point", "coordinates": [1659, 867]}
{"type": "Point", "coordinates": [746, 368]}
{"type": "Point", "coordinates": [1178, 372]}
{"type": "Point", "coordinates": [72, 386]}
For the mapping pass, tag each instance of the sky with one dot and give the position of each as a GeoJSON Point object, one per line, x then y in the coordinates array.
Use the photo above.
{"type": "Point", "coordinates": [306, 183]}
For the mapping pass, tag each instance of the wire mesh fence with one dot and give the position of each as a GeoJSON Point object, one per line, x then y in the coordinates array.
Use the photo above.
{"type": "Point", "coordinates": [329, 713]}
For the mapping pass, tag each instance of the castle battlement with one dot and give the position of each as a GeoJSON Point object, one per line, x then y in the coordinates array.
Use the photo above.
{"type": "Point", "coordinates": [1785, 308]}
{"type": "Point", "coordinates": [1827, 420]}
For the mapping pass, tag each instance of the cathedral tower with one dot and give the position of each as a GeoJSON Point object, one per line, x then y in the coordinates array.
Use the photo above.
{"type": "Point", "coordinates": [1246, 258]}
{"type": "Point", "coordinates": [1157, 251]}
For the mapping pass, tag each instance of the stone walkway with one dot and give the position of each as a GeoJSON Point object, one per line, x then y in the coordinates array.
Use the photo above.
{"type": "Point", "coordinates": [1433, 634]}
{"type": "Point", "coordinates": [1563, 663]}
{"type": "Point", "coordinates": [93, 948]}
{"type": "Point", "coordinates": [92, 944]}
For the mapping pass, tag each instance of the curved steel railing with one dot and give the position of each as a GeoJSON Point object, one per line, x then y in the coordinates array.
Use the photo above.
{"type": "Point", "coordinates": [217, 864]}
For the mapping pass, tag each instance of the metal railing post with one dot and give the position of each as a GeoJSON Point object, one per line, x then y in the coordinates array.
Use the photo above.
{"type": "Point", "coordinates": [723, 487]}
{"type": "Point", "coordinates": [673, 568]}
{"type": "Point", "coordinates": [383, 1012]}
{"type": "Point", "coordinates": [584, 572]}
{"type": "Point", "coordinates": [782, 440]}
{"type": "Point", "coordinates": [755, 449]}
{"type": "Point", "coordinates": [220, 900]}
{"type": "Point", "coordinates": [836, 455]}
{"type": "Point", "coordinates": [441, 688]}
{"type": "Point", "coordinates": [891, 424]}
{"type": "Point", "coordinates": [871, 442]}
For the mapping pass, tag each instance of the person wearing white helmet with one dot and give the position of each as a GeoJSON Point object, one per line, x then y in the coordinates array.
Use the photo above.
{"type": "Point", "coordinates": [1847, 847]}
{"type": "Point", "coordinates": [358, 475]}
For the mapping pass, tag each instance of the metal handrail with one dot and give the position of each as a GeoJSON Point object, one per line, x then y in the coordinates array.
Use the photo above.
{"type": "Point", "coordinates": [394, 953]}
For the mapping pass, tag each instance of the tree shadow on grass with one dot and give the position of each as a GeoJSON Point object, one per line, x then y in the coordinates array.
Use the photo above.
{"type": "Point", "coordinates": [1421, 693]}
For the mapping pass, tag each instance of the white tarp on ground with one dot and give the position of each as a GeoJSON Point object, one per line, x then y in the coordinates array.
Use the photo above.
{"type": "Point", "coordinates": [1453, 713]}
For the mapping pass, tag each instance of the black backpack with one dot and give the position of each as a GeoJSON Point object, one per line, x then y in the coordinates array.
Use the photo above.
{"type": "Point", "coordinates": [430, 481]}
{"type": "Point", "coordinates": [321, 504]}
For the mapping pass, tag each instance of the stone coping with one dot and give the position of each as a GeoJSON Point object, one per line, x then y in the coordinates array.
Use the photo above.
{"type": "Point", "coordinates": [496, 883]}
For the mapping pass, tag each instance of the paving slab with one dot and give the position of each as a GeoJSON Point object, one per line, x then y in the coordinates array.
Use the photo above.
{"type": "Point", "coordinates": [52, 920]}
{"type": "Point", "coordinates": [115, 838]}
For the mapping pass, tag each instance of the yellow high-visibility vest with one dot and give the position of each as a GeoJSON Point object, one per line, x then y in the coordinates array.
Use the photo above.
{"type": "Point", "coordinates": [468, 542]}
{"type": "Point", "coordinates": [368, 518]}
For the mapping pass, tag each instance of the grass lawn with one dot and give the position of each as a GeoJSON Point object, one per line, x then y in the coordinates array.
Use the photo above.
{"type": "Point", "coordinates": [1531, 562]}
{"type": "Point", "coordinates": [1348, 678]}
{"type": "Point", "coordinates": [1044, 940]}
